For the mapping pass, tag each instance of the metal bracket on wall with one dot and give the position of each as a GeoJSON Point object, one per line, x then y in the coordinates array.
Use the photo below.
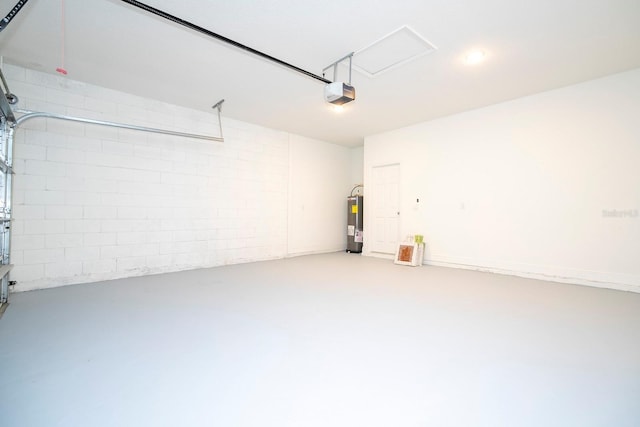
{"type": "Point", "coordinates": [218, 106]}
{"type": "Point", "coordinates": [5, 109]}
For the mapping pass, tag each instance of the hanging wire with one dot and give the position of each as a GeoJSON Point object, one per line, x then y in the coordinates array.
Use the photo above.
{"type": "Point", "coordinates": [61, 68]}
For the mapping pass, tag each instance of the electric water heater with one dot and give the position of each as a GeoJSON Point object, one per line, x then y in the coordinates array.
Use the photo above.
{"type": "Point", "coordinates": [354, 224]}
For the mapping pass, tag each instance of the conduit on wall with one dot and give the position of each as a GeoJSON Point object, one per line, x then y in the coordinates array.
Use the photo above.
{"type": "Point", "coordinates": [36, 114]}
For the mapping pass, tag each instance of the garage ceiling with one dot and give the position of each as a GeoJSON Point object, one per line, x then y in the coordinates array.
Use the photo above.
{"type": "Point", "coordinates": [530, 47]}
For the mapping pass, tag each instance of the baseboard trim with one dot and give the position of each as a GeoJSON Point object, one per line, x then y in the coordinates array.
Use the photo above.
{"type": "Point", "coordinates": [318, 252]}
{"type": "Point", "coordinates": [379, 255]}
{"type": "Point", "coordinates": [539, 276]}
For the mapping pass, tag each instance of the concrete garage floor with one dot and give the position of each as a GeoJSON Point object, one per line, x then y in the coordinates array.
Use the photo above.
{"type": "Point", "coordinates": [323, 340]}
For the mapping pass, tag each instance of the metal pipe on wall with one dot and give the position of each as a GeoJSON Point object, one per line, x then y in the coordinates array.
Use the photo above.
{"type": "Point", "coordinates": [34, 114]}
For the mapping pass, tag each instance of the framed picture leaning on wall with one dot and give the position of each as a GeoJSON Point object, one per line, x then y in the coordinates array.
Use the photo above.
{"type": "Point", "coordinates": [407, 254]}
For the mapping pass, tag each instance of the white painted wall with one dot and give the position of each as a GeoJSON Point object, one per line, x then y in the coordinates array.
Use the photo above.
{"type": "Point", "coordinates": [319, 183]}
{"type": "Point", "coordinates": [357, 165]}
{"type": "Point", "coordinates": [525, 186]}
{"type": "Point", "coordinates": [94, 203]}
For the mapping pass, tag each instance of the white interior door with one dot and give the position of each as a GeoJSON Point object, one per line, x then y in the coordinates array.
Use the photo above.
{"type": "Point", "coordinates": [386, 209]}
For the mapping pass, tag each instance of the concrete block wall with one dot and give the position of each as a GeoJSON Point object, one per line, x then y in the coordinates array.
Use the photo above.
{"type": "Point", "coordinates": [93, 203]}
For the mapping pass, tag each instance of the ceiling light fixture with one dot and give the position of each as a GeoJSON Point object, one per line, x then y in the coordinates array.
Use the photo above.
{"type": "Point", "coordinates": [474, 57]}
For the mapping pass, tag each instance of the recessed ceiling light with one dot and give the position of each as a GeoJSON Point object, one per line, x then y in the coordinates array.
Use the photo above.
{"type": "Point", "coordinates": [337, 108]}
{"type": "Point", "coordinates": [474, 57]}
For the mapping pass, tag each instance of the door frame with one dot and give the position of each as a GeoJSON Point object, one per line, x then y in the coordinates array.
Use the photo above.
{"type": "Point", "coordinates": [372, 200]}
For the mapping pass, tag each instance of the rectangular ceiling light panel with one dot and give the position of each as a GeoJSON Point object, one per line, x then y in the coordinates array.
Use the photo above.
{"type": "Point", "coordinates": [391, 51]}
